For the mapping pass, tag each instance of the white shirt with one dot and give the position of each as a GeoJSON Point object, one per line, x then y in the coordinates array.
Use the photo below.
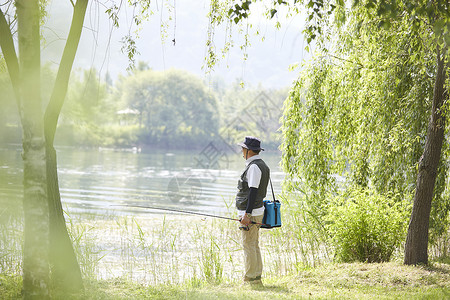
{"type": "Point", "coordinates": [253, 178]}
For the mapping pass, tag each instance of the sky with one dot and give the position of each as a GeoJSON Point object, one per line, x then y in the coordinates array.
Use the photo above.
{"type": "Point", "coordinates": [100, 47]}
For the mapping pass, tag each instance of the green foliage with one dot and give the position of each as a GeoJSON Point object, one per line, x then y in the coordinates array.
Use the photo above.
{"type": "Point", "coordinates": [173, 107]}
{"type": "Point", "coordinates": [210, 263]}
{"type": "Point", "coordinates": [11, 237]}
{"type": "Point", "coordinates": [217, 16]}
{"type": "Point", "coordinates": [360, 110]}
{"type": "Point", "coordinates": [385, 13]}
{"type": "Point", "coordinates": [89, 115]}
{"type": "Point", "coordinates": [360, 116]}
{"type": "Point", "coordinates": [315, 10]}
{"type": "Point", "coordinates": [10, 131]}
{"type": "Point", "coordinates": [10, 286]}
{"type": "Point", "coordinates": [306, 150]}
{"type": "Point", "coordinates": [165, 109]}
{"type": "Point", "coordinates": [331, 281]}
{"type": "Point", "coordinates": [86, 250]}
{"type": "Point", "coordinates": [257, 112]}
{"type": "Point", "coordinates": [303, 230]}
{"type": "Point", "coordinates": [129, 48]}
{"type": "Point", "coordinates": [121, 135]}
{"type": "Point", "coordinates": [238, 12]}
{"type": "Point", "coordinates": [365, 226]}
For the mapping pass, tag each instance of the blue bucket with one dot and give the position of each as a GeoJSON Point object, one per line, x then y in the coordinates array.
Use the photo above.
{"type": "Point", "coordinates": [272, 214]}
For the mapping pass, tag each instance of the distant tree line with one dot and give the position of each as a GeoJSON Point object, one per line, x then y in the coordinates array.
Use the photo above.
{"type": "Point", "coordinates": [146, 108]}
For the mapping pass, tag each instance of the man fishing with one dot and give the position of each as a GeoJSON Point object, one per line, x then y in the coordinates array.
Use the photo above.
{"type": "Point", "coordinates": [252, 188]}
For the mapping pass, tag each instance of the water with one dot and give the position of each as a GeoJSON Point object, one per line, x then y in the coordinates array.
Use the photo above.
{"type": "Point", "coordinates": [108, 181]}
{"type": "Point", "coordinates": [113, 239]}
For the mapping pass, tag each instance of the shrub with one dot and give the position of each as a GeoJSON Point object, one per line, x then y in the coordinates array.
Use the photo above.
{"type": "Point", "coordinates": [366, 226]}
{"type": "Point", "coordinates": [121, 135]}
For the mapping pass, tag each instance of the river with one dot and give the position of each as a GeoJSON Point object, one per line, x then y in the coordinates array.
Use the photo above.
{"type": "Point", "coordinates": [113, 181]}
{"type": "Point", "coordinates": [112, 238]}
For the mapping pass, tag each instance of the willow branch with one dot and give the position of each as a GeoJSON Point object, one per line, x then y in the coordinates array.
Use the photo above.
{"type": "Point", "coordinates": [346, 60]}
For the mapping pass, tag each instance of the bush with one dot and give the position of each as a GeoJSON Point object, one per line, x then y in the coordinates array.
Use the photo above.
{"type": "Point", "coordinates": [365, 226]}
{"type": "Point", "coordinates": [121, 135]}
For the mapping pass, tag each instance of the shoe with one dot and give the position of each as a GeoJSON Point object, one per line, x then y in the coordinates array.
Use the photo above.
{"type": "Point", "coordinates": [256, 280]}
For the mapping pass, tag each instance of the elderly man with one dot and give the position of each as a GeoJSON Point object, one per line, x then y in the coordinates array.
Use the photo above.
{"type": "Point", "coordinates": [252, 187]}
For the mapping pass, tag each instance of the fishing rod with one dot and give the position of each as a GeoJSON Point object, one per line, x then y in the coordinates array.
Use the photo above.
{"type": "Point", "coordinates": [185, 212]}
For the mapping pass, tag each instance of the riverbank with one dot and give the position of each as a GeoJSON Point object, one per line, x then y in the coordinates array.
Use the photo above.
{"type": "Point", "coordinates": [329, 281]}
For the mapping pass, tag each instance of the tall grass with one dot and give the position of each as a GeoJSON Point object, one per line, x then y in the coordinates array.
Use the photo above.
{"type": "Point", "coordinates": [11, 241]}
{"type": "Point", "coordinates": [301, 241]}
{"type": "Point", "coordinates": [87, 251]}
{"type": "Point", "coordinates": [154, 249]}
{"type": "Point", "coordinates": [173, 248]}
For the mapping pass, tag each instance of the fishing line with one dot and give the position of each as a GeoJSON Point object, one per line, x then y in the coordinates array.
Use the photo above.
{"type": "Point", "coordinates": [184, 212]}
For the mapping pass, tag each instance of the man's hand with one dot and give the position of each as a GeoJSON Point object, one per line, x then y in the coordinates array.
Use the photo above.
{"type": "Point", "coordinates": [245, 220]}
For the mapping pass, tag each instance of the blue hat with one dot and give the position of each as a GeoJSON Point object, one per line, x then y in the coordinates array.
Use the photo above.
{"type": "Point", "coordinates": [251, 143]}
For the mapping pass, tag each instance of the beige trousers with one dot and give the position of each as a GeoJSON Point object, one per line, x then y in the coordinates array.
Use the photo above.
{"type": "Point", "coordinates": [252, 253]}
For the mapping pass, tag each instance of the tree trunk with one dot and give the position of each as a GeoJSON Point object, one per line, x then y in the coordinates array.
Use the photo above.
{"type": "Point", "coordinates": [417, 239]}
{"type": "Point", "coordinates": [35, 205]}
{"type": "Point", "coordinates": [66, 274]}
{"type": "Point", "coordinates": [39, 164]}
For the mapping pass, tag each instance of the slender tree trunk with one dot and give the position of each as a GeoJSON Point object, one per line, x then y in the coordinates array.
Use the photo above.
{"type": "Point", "coordinates": [39, 156]}
{"type": "Point", "coordinates": [10, 56]}
{"type": "Point", "coordinates": [417, 239]}
{"type": "Point", "coordinates": [66, 274]}
{"type": "Point", "coordinates": [35, 205]}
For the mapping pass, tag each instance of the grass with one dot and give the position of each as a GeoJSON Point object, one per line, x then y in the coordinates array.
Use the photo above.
{"type": "Point", "coordinates": [329, 281]}
{"type": "Point", "coordinates": [157, 249]}
{"type": "Point", "coordinates": [184, 257]}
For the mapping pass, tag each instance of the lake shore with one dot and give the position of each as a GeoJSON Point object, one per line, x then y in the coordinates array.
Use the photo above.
{"type": "Point", "coordinates": [329, 281]}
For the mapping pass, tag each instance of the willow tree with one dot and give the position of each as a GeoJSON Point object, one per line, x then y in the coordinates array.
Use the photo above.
{"type": "Point", "coordinates": [47, 243]}
{"type": "Point", "coordinates": [380, 67]}
{"type": "Point", "coordinates": [372, 106]}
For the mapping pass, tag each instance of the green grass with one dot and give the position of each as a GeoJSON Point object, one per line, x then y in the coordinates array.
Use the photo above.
{"type": "Point", "coordinates": [183, 257]}
{"type": "Point", "coordinates": [329, 281]}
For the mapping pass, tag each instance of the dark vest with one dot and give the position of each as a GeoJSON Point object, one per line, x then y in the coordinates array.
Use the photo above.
{"type": "Point", "coordinates": [242, 195]}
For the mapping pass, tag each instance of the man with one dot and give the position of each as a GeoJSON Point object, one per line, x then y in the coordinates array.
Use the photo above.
{"type": "Point", "coordinates": [252, 187]}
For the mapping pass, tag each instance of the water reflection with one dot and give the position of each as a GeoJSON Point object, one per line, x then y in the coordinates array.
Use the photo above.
{"type": "Point", "coordinates": [104, 181]}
